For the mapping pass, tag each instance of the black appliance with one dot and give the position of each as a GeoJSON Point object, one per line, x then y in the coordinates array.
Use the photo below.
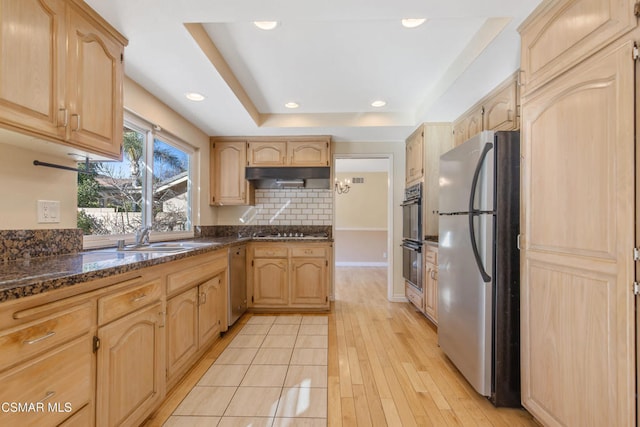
{"type": "Point", "coordinates": [411, 236]}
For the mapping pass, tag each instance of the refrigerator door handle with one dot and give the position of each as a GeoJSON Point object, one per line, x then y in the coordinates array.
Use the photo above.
{"type": "Point", "coordinates": [473, 213]}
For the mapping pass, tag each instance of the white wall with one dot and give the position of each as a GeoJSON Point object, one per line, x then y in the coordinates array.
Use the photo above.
{"type": "Point", "coordinates": [397, 191]}
{"type": "Point", "coordinates": [23, 184]}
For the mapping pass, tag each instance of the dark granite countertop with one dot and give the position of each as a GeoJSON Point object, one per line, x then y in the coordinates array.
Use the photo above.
{"type": "Point", "coordinates": [28, 277]}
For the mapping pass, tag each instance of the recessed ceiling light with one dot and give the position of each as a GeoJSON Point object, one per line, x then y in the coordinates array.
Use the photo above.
{"type": "Point", "coordinates": [194, 96]}
{"type": "Point", "coordinates": [378, 103]}
{"type": "Point", "coordinates": [291, 105]}
{"type": "Point", "coordinates": [413, 22]}
{"type": "Point", "coordinates": [266, 25]}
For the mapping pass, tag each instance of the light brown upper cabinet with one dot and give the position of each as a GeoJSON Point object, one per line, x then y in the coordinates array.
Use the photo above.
{"type": "Point", "coordinates": [61, 76]}
{"type": "Point", "coordinates": [498, 110]}
{"type": "Point", "coordinates": [294, 151]}
{"type": "Point", "coordinates": [414, 157]}
{"type": "Point", "coordinates": [227, 174]}
{"type": "Point", "coordinates": [566, 36]}
{"type": "Point", "coordinates": [268, 153]}
{"type": "Point", "coordinates": [467, 125]}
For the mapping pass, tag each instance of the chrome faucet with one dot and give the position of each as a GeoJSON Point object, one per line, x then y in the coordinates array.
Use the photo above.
{"type": "Point", "coordinates": [142, 236]}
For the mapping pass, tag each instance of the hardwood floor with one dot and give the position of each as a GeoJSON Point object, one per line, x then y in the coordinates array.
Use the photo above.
{"type": "Point", "coordinates": [385, 367]}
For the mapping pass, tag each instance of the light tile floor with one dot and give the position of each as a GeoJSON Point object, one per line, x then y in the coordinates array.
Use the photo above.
{"type": "Point", "coordinates": [273, 374]}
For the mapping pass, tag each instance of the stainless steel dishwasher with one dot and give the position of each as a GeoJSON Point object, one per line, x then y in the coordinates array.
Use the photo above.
{"type": "Point", "coordinates": [237, 283]}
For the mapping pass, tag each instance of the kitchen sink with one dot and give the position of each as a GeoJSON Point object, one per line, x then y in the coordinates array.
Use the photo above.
{"type": "Point", "coordinates": [167, 247]}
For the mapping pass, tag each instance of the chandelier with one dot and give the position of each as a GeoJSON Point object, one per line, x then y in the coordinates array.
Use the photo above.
{"type": "Point", "coordinates": [342, 187]}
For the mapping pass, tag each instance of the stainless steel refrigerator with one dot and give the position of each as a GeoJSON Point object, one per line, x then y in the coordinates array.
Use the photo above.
{"type": "Point", "coordinates": [478, 263]}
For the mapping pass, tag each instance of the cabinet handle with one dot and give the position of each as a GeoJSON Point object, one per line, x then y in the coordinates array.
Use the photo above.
{"type": "Point", "coordinates": [48, 396]}
{"type": "Point", "coordinates": [66, 117]}
{"type": "Point", "coordinates": [77, 128]}
{"type": "Point", "coordinates": [42, 338]}
{"type": "Point", "coordinates": [163, 318]}
{"type": "Point", "coordinates": [203, 298]}
{"type": "Point", "coordinates": [138, 298]}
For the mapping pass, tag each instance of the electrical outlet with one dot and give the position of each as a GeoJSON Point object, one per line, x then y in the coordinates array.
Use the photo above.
{"type": "Point", "coordinates": [384, 255]}
{"type": "Point", "coordinates": [48, 211]}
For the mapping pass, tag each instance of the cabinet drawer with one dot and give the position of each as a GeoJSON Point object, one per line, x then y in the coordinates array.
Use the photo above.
{"type": "Point", "coordinates": [127, 300]}
{"type": "Point", "coordinates": [82, 418]}
{"type": "Point", "coordinates": [53, 385]}
{"type": "Point", "coordinates": [192, 276]}
{"type": "Point", "coordinates": [431, 256]}
{"type": "Point", "coordinates": [315, 252]}
{"type": "Point", "coordinates": [414, 296]}
{"type": "Point", "coordinates": [269, 252]}
{"type": "Point", "coordinates": [21, 343]}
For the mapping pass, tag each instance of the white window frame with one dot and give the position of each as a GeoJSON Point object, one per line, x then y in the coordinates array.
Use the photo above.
{"type": "Point", "coordinates": [152, 133]}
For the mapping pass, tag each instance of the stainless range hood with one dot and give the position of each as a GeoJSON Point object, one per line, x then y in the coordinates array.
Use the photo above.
{"type": "Point", "coordinates": [288, 177]}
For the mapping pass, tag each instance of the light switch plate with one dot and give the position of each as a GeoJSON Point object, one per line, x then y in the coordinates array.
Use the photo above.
{"type": "Point", "coordinates": [48, 211]}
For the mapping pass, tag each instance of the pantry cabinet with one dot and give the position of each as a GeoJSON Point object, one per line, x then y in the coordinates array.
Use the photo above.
{"type": "Point", "coordinates": [289, 275]}
{"type": "Point", "coordinates": [227, 174]}
{"type": "Point", "coordinates": [578, 215]}
{"type": "Point", "coordinates": [61, 76]}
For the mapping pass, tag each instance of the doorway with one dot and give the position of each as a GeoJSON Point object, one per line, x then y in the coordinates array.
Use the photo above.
{"type": "Point", "coordinates": [363, 223]}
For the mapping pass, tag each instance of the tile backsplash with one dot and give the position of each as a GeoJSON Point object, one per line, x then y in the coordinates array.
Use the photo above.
{"type": "Point", "coordinates": [291, 207]}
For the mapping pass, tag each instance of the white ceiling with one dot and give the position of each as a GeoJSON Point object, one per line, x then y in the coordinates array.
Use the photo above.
{"type": "Point", "coordinates": [332, 57]}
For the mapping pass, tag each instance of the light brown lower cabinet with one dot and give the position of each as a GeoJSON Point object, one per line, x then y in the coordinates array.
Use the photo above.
{"type": "Point", "coordinates": [131, 367]}
{"type": "Point", "coordinates": [431, 282]}
{"type": "Point", "coordinates": [49, 387]}
{"type": "Point", "coordinates": [194, 320]}
{"type": "Point", "coordinates": [286, 276]}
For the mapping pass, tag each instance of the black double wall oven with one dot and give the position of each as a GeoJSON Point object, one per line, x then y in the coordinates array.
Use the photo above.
{"type": "Point", "coordinates": [412, 236]}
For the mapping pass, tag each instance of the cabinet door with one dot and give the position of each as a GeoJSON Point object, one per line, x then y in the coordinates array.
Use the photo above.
{"type": "Point", "coordinates": [271, 153]}
{"type": "Point", "coordinates": [228, 181]}
{"type": "Point", "coordinates": [576, 250]}
{"type": "Point", "coordinates": [131, 368]}
{"type": "Point", "coordinates": [94, 88]}
{"type": "Point", "coordinates": [32, 73]}
{"type": "Point", "coordinates": [500, 110]}
{"type": "Point", "coordinates": [414, 160]}
{"type": "Point", "coordinates": [270, 282]}
{"type": "Point", "coordinates": [431, 292]}
{"type": "Point", "coordinates": [459, 132]}
{"type": "Point", "coordinates": [308, 153]}
{"type": "Point", "coordinates": [309, 282]}
{"type": "Point", "coordinates": [211, 300]}
{"type": "Point", "coordinates": [438, 139]}
{"type": "Point", "coordinates": [182, 330]}
{"type": "Point", "coordinates": [565, 32]}
{"type": "Point", "coordinates": [474, 123]}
